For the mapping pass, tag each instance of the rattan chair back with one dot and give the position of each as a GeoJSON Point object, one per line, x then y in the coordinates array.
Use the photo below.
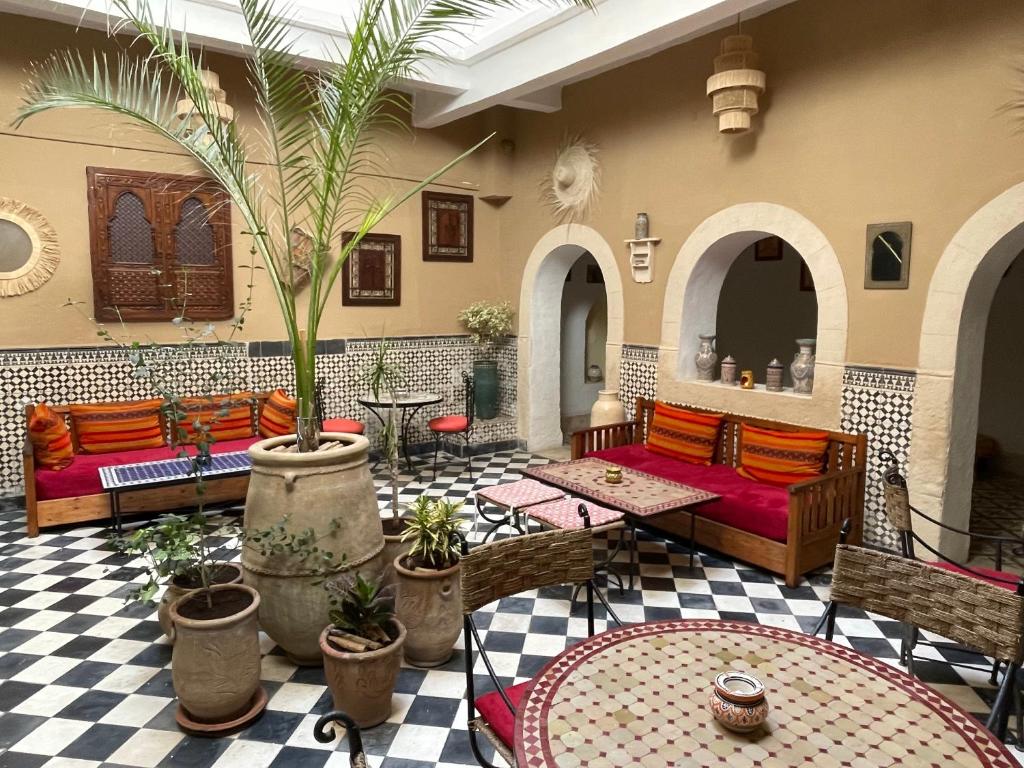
{"type": "Point", "coordinates": [521, 563]}
{"type": "Point", "coordinates": [964, 609]}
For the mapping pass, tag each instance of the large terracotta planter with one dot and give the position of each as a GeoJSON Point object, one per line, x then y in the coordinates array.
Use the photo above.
{"type": "Point", "coordinates": [312, 489]}
{"type": "Point", "coordinates": [429, 604]}
{"type": "Point", "coordinates": [224, 573]}
{"type": "Point", "coordinates": [362, 683]}
{"type": "Point", "coordinates": [215, 665]}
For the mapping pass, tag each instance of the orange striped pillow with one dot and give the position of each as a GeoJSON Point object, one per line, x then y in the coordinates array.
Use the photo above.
{"type": "Point", "coordinates": [686, 435]}
{"type": "Point", "coordinates": [114, 427]}
{"type": "Point", "coordinates": [781, 458]}
{"type": "Point", "coordinates": [229, 417]}
{"type": "Point", "coordinates": [51, 440]}
{"type": "Point", "coordinates": [278, 415]}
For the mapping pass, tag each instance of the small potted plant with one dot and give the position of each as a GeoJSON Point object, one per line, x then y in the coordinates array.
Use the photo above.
{"type": "Point", "coordinates": [429, 593]}
{"type": "Point", "coordinates": [362, 648]}
{"type": "Point", "coordinates": [487, 323]}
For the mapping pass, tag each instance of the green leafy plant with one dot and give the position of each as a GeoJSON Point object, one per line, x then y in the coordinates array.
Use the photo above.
{"type": "Point", "coordinates": [383, 376]}
{"type": "Point", "coordinates": [300, 547]}
{"type": "Point", "coordinates": [363, 607]}
{"type": "Point", "coordinates": [434, 529]}
{"type": "Point", "coordinates": [487, 322]}
{"type": "Point", "coordinates": [318, 131]}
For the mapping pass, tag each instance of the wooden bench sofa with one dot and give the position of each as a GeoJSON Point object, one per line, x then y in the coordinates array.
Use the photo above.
{"type": "Point", "coordinates": [786, 530]}
{"type": "Point", "coordinates": [74, 494]}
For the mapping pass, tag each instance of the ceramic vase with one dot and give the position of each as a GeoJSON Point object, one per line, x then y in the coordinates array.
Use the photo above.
{"type": "Point", "coordinates": [608, 409]}
{"type": "Point", "coordinates": [641, 227]}
{"type": "Point", "coordinates": [773, 377]}
{"type": "Point", "coordinates": [802, 367]}
{"type": "Point", "coordinates": [729, 370]}
{"type": "Point", "coordinates": [737, 701]}
{"type": "Point", "coordinates": [361, 684]}
{"type": "Point", "coordinates": [485, 388]}
{"type": "Point", "coordinates": [706, 358]}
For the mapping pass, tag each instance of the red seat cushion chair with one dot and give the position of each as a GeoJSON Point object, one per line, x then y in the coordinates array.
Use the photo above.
{"type": "Point", "coordinates": [495, 711]}
{"type": "Point", "coordinates": [1003, 579]}
{"type": "Point", "coordinates": [448, 424]}
{"type": "Point", "coordinates": [348, 426]}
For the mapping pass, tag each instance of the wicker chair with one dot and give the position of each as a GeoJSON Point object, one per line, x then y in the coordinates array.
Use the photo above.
{"type": "Point", "coordinates": [325, 735]}
{"type": "Point", "coordinates": [967, 610]}
{"type": "Point", "coordinates": [507, 567]}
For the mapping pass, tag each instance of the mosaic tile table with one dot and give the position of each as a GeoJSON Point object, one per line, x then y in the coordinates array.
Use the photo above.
{"type": "Point", "coordinates": [637, 695]}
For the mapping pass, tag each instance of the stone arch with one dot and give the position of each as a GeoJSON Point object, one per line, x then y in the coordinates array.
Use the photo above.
{"type": "Point", "coordinates": [691, 304]}
{"type": "Point", "coordinates": [944, 421]}
{"type": "Point", "coordinates": [540, 302]}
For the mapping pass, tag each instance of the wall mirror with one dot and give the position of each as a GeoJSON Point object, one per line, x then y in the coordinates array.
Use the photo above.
{"type": "Point", "coordinates": [29, 253]}
{"type": "Point", "coordinates": [887, 260]}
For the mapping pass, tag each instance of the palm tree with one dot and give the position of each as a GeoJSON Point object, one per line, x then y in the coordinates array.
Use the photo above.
{"type": "Point", "coordinates": [319, 136]}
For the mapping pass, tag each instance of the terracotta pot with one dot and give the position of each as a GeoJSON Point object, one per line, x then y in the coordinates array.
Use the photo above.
{"type": "Point", "coordinates": [313, 489]}
{"type": "Point", "coordinates": [215, 665]}
{"type": "Point", "coordinates": [394, 547]}
{"type": "Point", "coordinates": [362, 683]}
{"type": "Point", "coordinates": [608, 409]}
{"type": "Point", "coordinates": [429, 604]}
{"type": "Point", "coordinates": [224, 573]}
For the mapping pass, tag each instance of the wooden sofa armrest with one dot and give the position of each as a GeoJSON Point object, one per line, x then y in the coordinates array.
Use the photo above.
{"type": "Point", "coordinates": [28, 462]}
{"type": "Point", "coordinates": [605, 436]}
{"type": "Point", "coordinates": [820, 505]}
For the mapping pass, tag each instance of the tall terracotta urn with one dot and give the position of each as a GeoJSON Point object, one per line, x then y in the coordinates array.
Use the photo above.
{"type": "Point", "coordinates": [429, 605]}
{"type": "Point", "coordinates": [329, 491]}
{"type": "Point", "coordinates": [608, 409]}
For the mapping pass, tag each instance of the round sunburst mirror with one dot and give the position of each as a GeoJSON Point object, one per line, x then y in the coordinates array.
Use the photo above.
{"type": "Point", "coordinates": [29, 252]}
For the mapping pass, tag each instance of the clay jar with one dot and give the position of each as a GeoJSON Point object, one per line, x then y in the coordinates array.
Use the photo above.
{"type": "Point", "coordinates": [737, 701]}
{"type": "Point", "coordinates": [312, 489]}
{"type": "Point", "coordinates": [362, 683]}
{"type": "Point", "coordinates": [215, 665]}
{"type": "Point", "coordinates": [608, 409]}
{"type": "Point", "coordinates": [393, 547]}
{"type": "Point", "coordinates": [222, 573]}
{"type": "Point", "coordinates": [429, 604]}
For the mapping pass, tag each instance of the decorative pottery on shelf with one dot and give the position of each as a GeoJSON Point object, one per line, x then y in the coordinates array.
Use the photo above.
{"type": "Point", "coordinates": [773, 378]}
{"type": "Point", "coordinates": [729, 370]}
{"type": "Point", "coordinates": [608, 409]}
{"type": "Point", "coordinates": [802, 367]}
{"type": "Point", "coordinates": [361, 684]}
{"type": "Point", "coordinates": [613, 475]}
{"type": "Point", "coordinates": [594, 373]}
{"type": "Point", "coordinates": [642, 227]}
{"type": "Point", "coordinates": [747, 379]}
{"type": "Point", "coordinates": [737, 700]}
{"type": "Point", "coordinates": [706, 358]}
{"type": "Point", "coordinates": [429, 604]}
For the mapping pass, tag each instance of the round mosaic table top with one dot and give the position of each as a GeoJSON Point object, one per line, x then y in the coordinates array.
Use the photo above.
{"type": "Point", "coordinates": [637, 696]}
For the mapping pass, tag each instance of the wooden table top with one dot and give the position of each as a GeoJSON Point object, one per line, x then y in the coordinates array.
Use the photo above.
{"type": "Point", "coordinates": [637, 696]}
{"type": "Point", "coordinates": [639, 494]}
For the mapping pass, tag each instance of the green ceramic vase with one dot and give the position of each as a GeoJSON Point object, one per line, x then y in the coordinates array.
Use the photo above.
{"type": "Point", "coordinates": [485, 378]}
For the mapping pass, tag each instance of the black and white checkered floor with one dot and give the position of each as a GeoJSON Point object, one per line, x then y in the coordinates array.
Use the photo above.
{"type": "Point", "coordinates": [85, 679]}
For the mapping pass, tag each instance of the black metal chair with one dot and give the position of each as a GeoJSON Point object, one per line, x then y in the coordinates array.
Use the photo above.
{"type": "Point", "coordinates": [507, 567]}
{"type": "Point", "coordinates": [325, 735]}
{"type": "Point", "coordinates": [456, 424]}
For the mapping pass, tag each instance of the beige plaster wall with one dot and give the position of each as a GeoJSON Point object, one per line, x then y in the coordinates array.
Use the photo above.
{"type": "Point", "coordinates": [43, 164]}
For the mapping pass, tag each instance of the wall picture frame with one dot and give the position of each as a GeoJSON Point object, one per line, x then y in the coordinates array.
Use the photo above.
{"type": "Point", "coordinates": [887, 255]}
{"type": "Point", "coordinates": [447, 227]}
{"type": "Point", "coordinates": [372, 276]}
{"type": "Point", "coordinates": [768, 249]}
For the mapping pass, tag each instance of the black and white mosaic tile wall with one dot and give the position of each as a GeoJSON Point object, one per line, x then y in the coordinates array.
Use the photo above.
{"type": "Point", "coordinates": [430, 363]}
{"type": "Point", "coordinates": [638, 375]}
{"type": "Point", "coordinates": [879, 402]}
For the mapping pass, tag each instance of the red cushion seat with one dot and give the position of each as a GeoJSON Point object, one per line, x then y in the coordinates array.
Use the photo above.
{"type": "Point", "coordinates": [986, 574]}
{"type": "Point", "coordinates": [348, 426]}
{"type": "Point", "coordinates": [745, 504]}
{"type": "Point", "coordinates": [82, 478]}
{"type": "Point", "coordinates": [449, 424]}
{"type": "Point", "coordinates": [495, 711]}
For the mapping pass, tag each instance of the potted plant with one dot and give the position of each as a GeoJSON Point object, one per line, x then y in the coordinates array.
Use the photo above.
{"type": "Point", "coordinates": [429, 593]}
{"type": "Point", "coordinates": [487, 323]}
{"type": "Point", "coordinates": [362, 648]}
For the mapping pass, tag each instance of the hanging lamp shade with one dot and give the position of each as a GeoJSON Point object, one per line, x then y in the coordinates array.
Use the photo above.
{"type": "Point", "coordinates": [217, 98]}
{"type": "Point", "coordinates": [736, 84]}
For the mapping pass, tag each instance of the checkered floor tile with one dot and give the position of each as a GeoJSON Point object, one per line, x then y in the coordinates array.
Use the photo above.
{"type": "Point", "coordinates": [85, 678]}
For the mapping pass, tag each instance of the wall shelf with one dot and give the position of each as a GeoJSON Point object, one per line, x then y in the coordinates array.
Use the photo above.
{"type": "Point", "coordinates": [641, 258]}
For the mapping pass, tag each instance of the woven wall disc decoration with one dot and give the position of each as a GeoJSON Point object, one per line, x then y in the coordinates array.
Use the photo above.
{"type": "Point", "coordinates": [572, 186]}
{"type": "Point", "coordinates": [29, 251]}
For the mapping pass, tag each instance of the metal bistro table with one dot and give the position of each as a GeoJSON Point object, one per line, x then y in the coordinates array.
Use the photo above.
{"type": "Point", "coordinates": [409, 403]}
{"type": "Point", "coordinates": [637, 695]}
{"type": "Point", "coordinates": [166, 472]}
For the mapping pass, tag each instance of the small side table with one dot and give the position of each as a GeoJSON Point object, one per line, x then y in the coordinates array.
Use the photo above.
{"type": "Point", "coordinates": [410, 404]}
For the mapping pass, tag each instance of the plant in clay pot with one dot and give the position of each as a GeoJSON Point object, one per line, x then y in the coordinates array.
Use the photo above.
{"type": "Point", "coordinates": [429, 593]}
{"type": "Point", "coordinates": [487, 323]}
{"type": "Point", "coordinates": [362, 648]}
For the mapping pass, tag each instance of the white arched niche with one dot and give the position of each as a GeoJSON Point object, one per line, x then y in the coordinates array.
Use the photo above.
{"type": "Point", "coordinates": [691, 307]}
{"type": "Point", "coordinates": [540, 317]}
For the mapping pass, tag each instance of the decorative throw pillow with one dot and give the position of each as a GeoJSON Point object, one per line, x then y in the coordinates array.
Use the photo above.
{"type": "Point", "coordinates": [278, 415]}
{"type": "Point", "coordinates": [112, 427]}
{"type": "Point", "coordinates": [51, 440]}
{"type": "Point", "coordinates": [686, 435]}
{"type": "Point", "coordinates": [777, 457]}
{"type": "Point", "coordinates": [229, 417]}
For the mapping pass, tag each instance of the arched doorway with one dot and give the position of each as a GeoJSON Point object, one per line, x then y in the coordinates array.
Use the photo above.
{"type": "Point", "coordinates": [945, 415]}
{"type": "Point", "coordinates": [584, 338]}
{"type": "Point", "coordinates": [540, 318]}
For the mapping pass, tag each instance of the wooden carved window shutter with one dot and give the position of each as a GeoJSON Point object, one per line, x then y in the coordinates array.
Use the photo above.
{"type": "Point", "coordinates": [161, 246]}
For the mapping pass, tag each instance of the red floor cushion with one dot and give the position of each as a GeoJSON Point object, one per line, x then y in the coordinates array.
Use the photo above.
{"type": "Point", "coordinates": [495, 711]}
{"type": "Point", "coordinates": [82, 478]}
{"type": "Point", "coordinates": [986, 574]}
{"type": "Point", "coordinates": [750, 506]}
{"type": "Point", "coordinates": [448, 424]}
{"type": "Point", "coordinates": [343, 425]}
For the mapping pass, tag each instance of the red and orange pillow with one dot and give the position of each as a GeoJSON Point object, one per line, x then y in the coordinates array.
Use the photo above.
{"type": "Point", "coordinates": [680, 433]}
{"type": "Point", "coordinates": [50, 437]}
{"type": "Point", "coordinates": [278, 415]}
{"type": "Point", "coordinates": [229, 417]}
{"type": "Point", "coordinates": [112, 427]}
{"type": "Point", "coordinates": [780, 457]}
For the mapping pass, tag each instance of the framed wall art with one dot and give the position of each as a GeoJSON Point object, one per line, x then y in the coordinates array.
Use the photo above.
{"type": "Point", "coordinates": [887, 256]}
{"type": "Point", "coordinates": [768, 249]}
{"type": "Point", "coordinates": [372, 276]}
{"type": "Point", "coordinates": [447, 227]}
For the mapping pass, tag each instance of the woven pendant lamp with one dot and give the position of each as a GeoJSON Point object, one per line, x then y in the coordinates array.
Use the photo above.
{"type": "Point", "coordinates": [185, 109]}
{"type": "Point", "coordinates": [736, 84]}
